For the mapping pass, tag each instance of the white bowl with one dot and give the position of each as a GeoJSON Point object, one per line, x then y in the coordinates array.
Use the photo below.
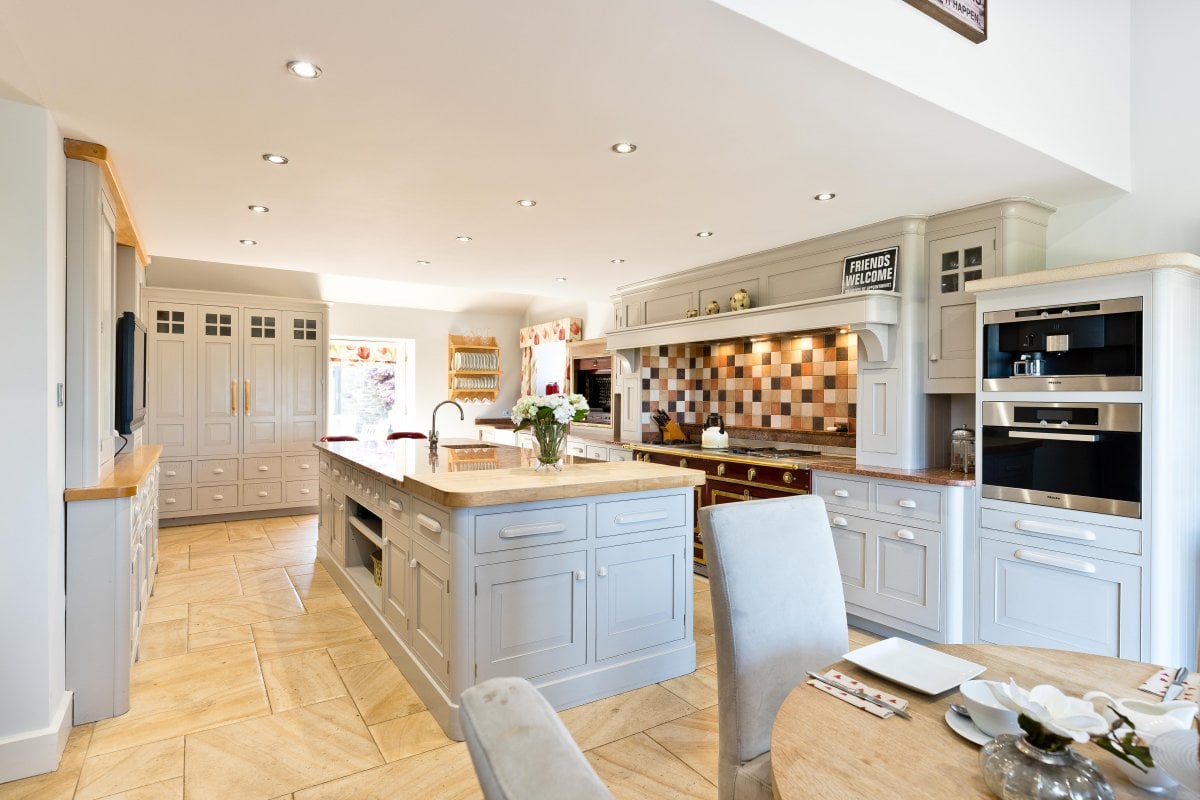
{"type": "Point", "coordinates": [986, 712]}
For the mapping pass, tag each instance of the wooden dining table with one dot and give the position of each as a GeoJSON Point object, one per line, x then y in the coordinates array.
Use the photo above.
{"type": "Point", "coordinates": [823, 747]}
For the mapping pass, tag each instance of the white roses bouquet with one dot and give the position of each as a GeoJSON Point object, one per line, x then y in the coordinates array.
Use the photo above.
{"type": "Point", "coordinates": [548, 416]}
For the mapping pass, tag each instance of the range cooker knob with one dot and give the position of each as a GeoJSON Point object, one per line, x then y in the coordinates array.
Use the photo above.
{"type": "Point", "coordinates": [750, 473]}
{"type": "Point", "coordinates": [721, 469]}
{"type": "Point", "coordinates": [788, 477]}
{"type": "Point", "coordinates": [683, 463]}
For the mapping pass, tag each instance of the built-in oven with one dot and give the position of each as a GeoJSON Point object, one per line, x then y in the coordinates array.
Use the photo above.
{"type": "Point", "coordinates": [1068, 347]}
{"type": "Point", "coordinates": [593, 380]}
{"type": "Point", "coordinates": [1082, 456]}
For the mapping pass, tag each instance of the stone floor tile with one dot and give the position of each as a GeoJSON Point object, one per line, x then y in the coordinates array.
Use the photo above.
{"type": "Point", "coordinates": [301, 679]}
{"type": "Point", "coordinates": [202, 561]}
{"type": "Point", "coordinates": [122, 770]}
{"type": "Point", "coordinates": [231, 547]}
{"type": "Point", "coordinates": [309, 632]}
{"type": "Point", "coordinates": [196, 585]}
{"type": "Point", "coordinates": [351, 655]}
{"type": "Point", "coordinates": [693, 740]}
{"type": "Point", "coordinates": [293, 537]}
{"type": "Point", "coordinates": [156, 612]}
{"type": "Point", "coordinates": [325, 603]}
{"type": "Point", "coordinates": [698, 688]}
{"type": "Point", "coordinates": [444, 774]}
{"type": "Point", "coordinates": [638, 768]}
{"type": "Point", "coordinates": [315, 584]}
{"type": "Point", "coordinates": [706, 650]}
{"type": "Point", "coordinates": [268, 559]}
{"type": "Point", "coordinates": [162, 639]}
{"type": "Point", "coordinates": [220, 637]}
{"type": "Point", "coordinates": [173, 561]}
{"type": "Point", "coordinates": [702, 616]}
{"type": "Point", "coordinates": [265, 580]}
{"type": "Point", "coordinates": [380, 691]}
{"type": "Point", "coordinates": [280, 753]}
{"type": "Point", "coordinates": [407, 736]}
{"type": "Point", "coordinates": [244, 610]}
{"type": "Point", "coordinates": [622, 715]}
{"type": "Point", "coordinates": [165, 790]}
{"type": "Point", "coordinates": [278, 523]}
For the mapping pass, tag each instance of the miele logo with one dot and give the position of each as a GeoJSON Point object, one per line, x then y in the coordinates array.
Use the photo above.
{"type": "Point", "coordinates": [1054, 497]}
{"type": "Point", "coordinates": [1054, 383]}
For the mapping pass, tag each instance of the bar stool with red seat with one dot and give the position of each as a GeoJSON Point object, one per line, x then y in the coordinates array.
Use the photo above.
{"type": "Point", "coordinates": [339, 438]}
{"type": "Point", "coordinates": [405, 435]}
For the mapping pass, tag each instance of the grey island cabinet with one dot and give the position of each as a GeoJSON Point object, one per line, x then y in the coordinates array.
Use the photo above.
{"type": "Point", "coordinates": [467, 564]}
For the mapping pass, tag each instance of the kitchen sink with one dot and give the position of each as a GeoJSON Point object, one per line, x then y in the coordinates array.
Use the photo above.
{"type": "Point", "coordinates": [480, 446]}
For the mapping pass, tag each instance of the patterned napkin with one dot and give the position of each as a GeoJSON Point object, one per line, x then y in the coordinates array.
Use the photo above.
{"type": "Point", "coordinates": [1157, 684]}
{"type": "Point", "coordinates": [846, 680]}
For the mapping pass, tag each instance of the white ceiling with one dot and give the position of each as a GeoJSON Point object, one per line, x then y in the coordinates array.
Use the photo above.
{"type": "Point", "coordinates": [433, 118]}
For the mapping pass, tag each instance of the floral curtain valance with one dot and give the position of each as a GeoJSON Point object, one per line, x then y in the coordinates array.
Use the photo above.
{"type": "Point", "coordinates": [344, 352]}
{"type": "Point", "coordinates": [567, 329]}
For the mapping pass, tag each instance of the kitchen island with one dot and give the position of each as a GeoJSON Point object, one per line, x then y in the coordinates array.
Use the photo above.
{"type": "Point", "coordinates": [468, 564]}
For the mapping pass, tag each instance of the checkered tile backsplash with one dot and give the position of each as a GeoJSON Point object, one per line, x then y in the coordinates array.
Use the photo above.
{"type": "Point", "coordinates": [800, 383]}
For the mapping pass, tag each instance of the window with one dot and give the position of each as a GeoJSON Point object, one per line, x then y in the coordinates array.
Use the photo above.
{"type": "Point", "coordinates": [370, 387]}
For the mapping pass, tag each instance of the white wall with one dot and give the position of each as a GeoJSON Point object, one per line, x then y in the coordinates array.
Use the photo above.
{"type": "Point", "coordinates": [430, 329]}
{"type": "Point", "coordinates": [597, 316]}
{"type": "Point", "coordinates": [1162, 213]}
{"type": "Point", "coordinates": [1053, 76]}
{"type": "Point", "coordinates": [34, 704]}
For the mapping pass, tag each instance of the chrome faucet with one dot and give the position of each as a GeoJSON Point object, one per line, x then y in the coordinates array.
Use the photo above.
{"type": "Point", "coordinates": [433, 434]}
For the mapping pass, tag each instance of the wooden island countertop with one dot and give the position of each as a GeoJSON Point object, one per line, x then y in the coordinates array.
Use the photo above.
{"type": "Point", "coordinates": [466, 473]}
{"type": "Point", "coordinates": [128, 472]}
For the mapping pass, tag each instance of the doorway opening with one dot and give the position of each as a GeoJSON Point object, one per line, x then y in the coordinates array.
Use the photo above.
{"type": "Point", "coordinates": [371, 387]}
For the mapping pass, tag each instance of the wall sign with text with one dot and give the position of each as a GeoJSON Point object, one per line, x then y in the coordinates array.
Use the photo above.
{"type": "Point", "coordinates": [965, 17]}
{"type": "Point", "coordinates": [875, 270]}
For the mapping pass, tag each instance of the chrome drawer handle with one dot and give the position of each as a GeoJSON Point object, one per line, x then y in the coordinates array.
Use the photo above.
{"type": "Point", "coordinates": [218, 497]}
{"type": "Point", "coordinates": [841, 522]}
{"type": "Point", "coordinates": [1074, 564]}
{"type": "Point", "coordinates": [907, 503]}
{"type": "Point", "coordinates": [263, 468]}
{"type": "Point", "coordinates": [262, 494]}
{"type": "Point", "coordinates": [531, 529]}
{"type": "Point", "coordinates": [336, 472]}
{"type": "Point", "coordinates": [304, 466]}
{"type": "Point", "coordinates": [841, 493]}
{"type": "Point", "coordinates": [305, 491]}
{"type": "Point", "coordinates": [1055, 530]}
{"type": "Point", "coordinates": [430, 523]}
{"type": "Point", "coordinates": [170, 501]}
{"type": "Point", "coordinates": [412, 564]}
{"type": "Point", "coordinates": [394, 505]}
{"type": "Point", "coordinates": [644, 516]}
{"type": "Point", "coordinates": [170, 473]}
{"type": "Point", "coordinates": [905, 534]}
{"type": "Point", "coordinates": [218, 471]}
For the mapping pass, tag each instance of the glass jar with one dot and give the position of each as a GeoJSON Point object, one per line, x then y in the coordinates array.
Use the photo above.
{"type": "Point", "coordinates": [1014, 769]}
{"type": "Point", "coordinates": [962, 449]}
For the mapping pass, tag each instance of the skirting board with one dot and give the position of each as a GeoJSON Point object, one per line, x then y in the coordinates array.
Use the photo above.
{"type": "Point", "coordinates": [35, 752]}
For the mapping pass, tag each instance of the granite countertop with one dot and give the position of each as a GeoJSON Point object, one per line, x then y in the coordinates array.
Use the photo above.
{"type": "Point", "coordinates": [940, 476]}
{"type": "Point", "coordinates": [466, 473]}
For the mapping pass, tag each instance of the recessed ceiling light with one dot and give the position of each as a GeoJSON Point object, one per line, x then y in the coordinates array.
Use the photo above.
{"type": "Point", "coordinates": [823, 196]}
{"type": "Point", "coordinates": [275, 158]}
{"type": "Point", "coordinates": [624, 147]}
{"type": "Point", "coordinates": [248, 242]}
{"type": "Point", "coordinates": [463, 238]}
{"type": "Point", "coordinates": [422, 263]}
{"type": "Point", "coordinates": [527, 203]}
{"type": "Point", "coordinates": [258, 209]}
{"type": "Point", "coordinates": [561, 280]}
{"type": "Point", "coordinates": [617, 261]}
{"type": "Point", "coordinates": [304, 69]}
{"type": "Point", "coordinates": [704, 234]}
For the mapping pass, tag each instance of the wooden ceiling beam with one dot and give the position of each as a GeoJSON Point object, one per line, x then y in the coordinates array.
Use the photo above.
{"type": "Point", "coordinates": [127, 233]}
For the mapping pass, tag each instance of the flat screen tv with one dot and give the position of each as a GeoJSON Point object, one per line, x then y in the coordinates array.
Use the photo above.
{"type": "Point", "coordinates": [131, 373]}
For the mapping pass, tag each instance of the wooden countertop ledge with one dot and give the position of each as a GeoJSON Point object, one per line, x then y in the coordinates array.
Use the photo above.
{"type": "Point", "coordinates": [128, 471]}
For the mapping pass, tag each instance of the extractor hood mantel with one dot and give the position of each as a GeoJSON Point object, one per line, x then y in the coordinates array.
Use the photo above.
{"type": "Point", "coordinates": [873, 315]}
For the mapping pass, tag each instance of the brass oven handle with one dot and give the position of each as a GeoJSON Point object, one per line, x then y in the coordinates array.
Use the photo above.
{"type": "Point", "coordinates": [233, 398]}
{"type": "Point", "coordinates": [788, 477]}
{"type": "Point", "coordinates": [750, 473]}
{"type": "Point", "coordinates": [721, 469]}
{"type": "Point", "coordinates": [247, 398]}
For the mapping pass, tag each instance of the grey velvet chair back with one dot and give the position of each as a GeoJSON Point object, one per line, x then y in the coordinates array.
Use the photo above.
{"type": "Point", "coordinates": [519, 746]}
{"type": "Point", "coordinates": [778, 611]}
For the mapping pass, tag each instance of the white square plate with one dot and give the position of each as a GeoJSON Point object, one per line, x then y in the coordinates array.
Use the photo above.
{"type": "Point", "coordinates": [914, 666]}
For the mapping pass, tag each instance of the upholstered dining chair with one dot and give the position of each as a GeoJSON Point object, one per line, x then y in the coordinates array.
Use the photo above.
{"type": "Point", "coordinates": [339, 438]}
{"type": "Point", "coordinates": [778, 612]}
{"type": "Point", "coordinates": [520, 748]}
{"type": "Point", "coordinates": [405, 435]}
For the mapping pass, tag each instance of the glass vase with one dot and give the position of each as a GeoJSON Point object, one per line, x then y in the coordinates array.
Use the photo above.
{"type": "Point", "coordinates": [549, 436]}
{"type": "Point", "coordinates": [1014, 769]}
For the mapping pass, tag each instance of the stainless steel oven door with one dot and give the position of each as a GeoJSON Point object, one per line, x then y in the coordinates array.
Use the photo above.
{"type": "Point", "coordinates": [1082, 456]}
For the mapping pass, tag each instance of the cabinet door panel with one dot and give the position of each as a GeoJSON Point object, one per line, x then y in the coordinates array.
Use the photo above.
{"type": "Point", "coordinates": [218, 388]}
{"type": "Point", "coordinates": [430, 612]}
{"type": "Point", "coordinates": [262, 372]}
{"type": "Point", "coordinates": [171, 378]}
{"type": "Point", "coordinates": [531, 616]}
{"type": "Point", "coordinates": [398, 571]}
{"type": "Point", "coordinates": [640, 596]}
{"type": "Point", "coordinates": [953, 261]}
{"type": "Point", "coordinates": [304, 371]}
{"type": "Point", "coordinates": [1035, 597]}
{"type": "Point", "coordinates": [907, 575]}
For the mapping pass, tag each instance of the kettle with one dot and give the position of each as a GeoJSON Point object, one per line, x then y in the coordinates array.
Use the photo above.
{"type": "Point", "coordinates": [714, 436]}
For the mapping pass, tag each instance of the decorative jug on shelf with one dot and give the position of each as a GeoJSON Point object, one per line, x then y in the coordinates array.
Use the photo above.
{"type": "Point", "coordinates": [713, 307]}
{"type": "Point", "coordinates": [740, 300]}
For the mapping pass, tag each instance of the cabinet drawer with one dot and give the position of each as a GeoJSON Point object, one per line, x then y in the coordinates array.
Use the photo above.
{"type": "Point", "coordinates": [596, 451]}
{"type": "Point", "coordinates": [212, 470]}
{"type": "Point", "coordinates": [1123, 540]}
{"type": "Point", "coordinates": [301, 491]}
{"type": "Point", "coordinates": [323, 460]}
{"type": "Point", "coordinates": [644, 514]}
{"type": "Point", "coordinates": [839, 490]}
{"type": "Point", "coordinates": [171, 501]}
{"type": "Point", "coordinates": [301, 466]}
{"type": "Point", "coordinates": [908, 501]}
{"type": "Point", "coordinates": [431, 524]}
{"type": "Point", "coordinates": [576, 448]}
{"type": "Point", "coordinates": [175, 472]}
{"type": "Point", "coordinates": [513, 529]}
{"type": "Point", "coordinates": [619, 454]}
{"type": "Point", "coordinates": [262, 467]}
{"type": "Point", "coordinates": [218, 496]}
{"type": "Point", "coordinates": [397, 505]}
{"type": "Point", "coordinates": [260, 494]}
